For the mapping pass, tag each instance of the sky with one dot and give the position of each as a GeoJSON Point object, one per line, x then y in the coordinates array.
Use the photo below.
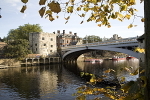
{"type": "Point", "coordinates": [12, 18]}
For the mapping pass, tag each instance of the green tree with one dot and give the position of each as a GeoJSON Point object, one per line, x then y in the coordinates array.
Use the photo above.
{"type": "Point", "coordinates": [4, 39]}
{"type": "Point", "coordinates": [22, 32]}
{"type": "Point", "coordinates": [91, 39]}
{"type": "Point", "coordinates": [17, 49]}
{"type": "Point", "coordinates": [101, 12]}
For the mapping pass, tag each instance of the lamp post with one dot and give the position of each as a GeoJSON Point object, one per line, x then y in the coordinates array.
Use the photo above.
{"type": "Point", "coordinates": [86, 39]}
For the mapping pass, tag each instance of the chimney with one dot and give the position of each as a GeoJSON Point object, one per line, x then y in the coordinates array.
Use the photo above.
{"type": "Point", "coordinates": [63, 32]}
{"type": "Point", "coordinates": [75, 34]}
{"type": "Point", "coordinates": [70, 32]}
{"type": "Point", "coordinates": [58, 31]}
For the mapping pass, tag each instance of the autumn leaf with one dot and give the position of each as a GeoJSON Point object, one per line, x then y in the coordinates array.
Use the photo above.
{"type": "Point", "coordinates": [99, 25]}
{"type": "Point", "coordinates": [23, 8]}
{"type": "Point", "coordinates": [24, 1]}
{"type": "Point", "coordinates": [81, 22]}
{"type": "Point", "coordinates": [92, 80]}
{"type": "Point", "coordinates": [120, 15]}
{"type": "Point", "coordinates": [140, 50]}
{"type": "Point", "coordinates": [67, 18]}
{"type": "Point", "coordinates": [99, 79]}
{"type": "Point", "coordinates": [101, 89]}
{"type": "Point", "coordinates": [123, 7]}
{"type": "Point", "coordinates": [66, 22]}
{"type": "Point", "coordinates": [55, 7]}
{"type": "Point", "coordinates": [130, 26]}
{"type": "Point", "coordinates": [135, 72]}
{"type": "Point", "coordinates": [42, 2]}
{"type": "Point", "coordinates": [132, 2]}
{"type": "Point", "coordinates": [86, 9]}
{"type": "Point", "coordinates": [42, 11]}
{"type": "Point", "coordinates": [51, 18]}
{"type": "Point", "coordinates": [123, 79]}
{"type": "Point", "coordinates": [131, 11]}
{"type": "Point", "coordinates": [143, 19]}
{"type": "Point", "coordinates": [70, 9]}
{"type": "Point", "coordinates": [79, 8]}
{"type": "Point", "coordinates": [48, 12]}
{"type": "Point", "coordinates": [142, 71]}
{"type": "Point", "coordinates": [127, 16]}
{"type": "Point", "coordinates": [83, 15]}
{"type": "Point", "coordinates": [107, 71]}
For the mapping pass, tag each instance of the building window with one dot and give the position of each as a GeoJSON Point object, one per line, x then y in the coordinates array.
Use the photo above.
{"type": "Point", "coordinates": [61, 41]}
{"type": "Point", "coordinates": [67, 41]}
{"type": "Point", "coordinates": [36, 49]}
{"type": "Point", "coordinates": [51, 45]}
{"type": "Point", "coordinates": [36, 44]}
{"type": "Point", "coordinates": [51, 39]}
{"type": "Point", "coordinates": [44, 44]}
{"type": "Point", "coordinates": [42, 38]}
{"type": "Point", "coordinates": [51, 50]}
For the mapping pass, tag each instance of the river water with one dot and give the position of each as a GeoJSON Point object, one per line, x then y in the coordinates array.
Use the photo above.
{"type": "Point", "coordinates": [57, 81]}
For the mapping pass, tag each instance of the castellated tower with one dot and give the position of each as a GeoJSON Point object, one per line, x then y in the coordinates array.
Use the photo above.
{"type": "Point", "coordinates": [43, 43]}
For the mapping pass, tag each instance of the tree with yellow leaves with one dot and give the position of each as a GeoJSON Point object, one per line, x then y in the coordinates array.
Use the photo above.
{"type": "Point", "coordinates": [101, 12]}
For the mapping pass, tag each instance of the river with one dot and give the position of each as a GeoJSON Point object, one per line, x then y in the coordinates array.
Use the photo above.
{"type": "Point", "coordinates": [56, 81]}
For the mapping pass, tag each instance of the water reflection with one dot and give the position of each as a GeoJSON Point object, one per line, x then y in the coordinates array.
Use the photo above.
{"type": "Point", "coordinates": [54, 82]}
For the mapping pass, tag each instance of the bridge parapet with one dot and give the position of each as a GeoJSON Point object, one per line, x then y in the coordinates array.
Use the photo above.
{"type": "Point", "coordinates": [125, 40]}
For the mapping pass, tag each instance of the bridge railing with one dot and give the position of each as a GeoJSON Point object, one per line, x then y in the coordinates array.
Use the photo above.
{"type": "Point", "coordinates": [132, 39]}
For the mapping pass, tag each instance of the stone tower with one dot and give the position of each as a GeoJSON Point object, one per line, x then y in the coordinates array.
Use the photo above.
{"type": "Point", "coordinates": [43, 43]}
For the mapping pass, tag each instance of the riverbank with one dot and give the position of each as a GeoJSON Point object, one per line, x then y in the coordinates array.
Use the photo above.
{"type": "Point", "coordinates": [10, 63]}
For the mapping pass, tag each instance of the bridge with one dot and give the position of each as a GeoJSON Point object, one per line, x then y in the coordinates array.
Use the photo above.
{"type": "Point", "coordinates": [126, 45]}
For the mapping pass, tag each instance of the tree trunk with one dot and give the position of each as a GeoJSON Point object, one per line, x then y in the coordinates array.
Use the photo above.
{"type": "Point", "coordinates": [147, 48]}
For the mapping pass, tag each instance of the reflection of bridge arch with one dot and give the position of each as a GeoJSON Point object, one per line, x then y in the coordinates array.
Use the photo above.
{"type": "Point", "coordinates": [72, 53]}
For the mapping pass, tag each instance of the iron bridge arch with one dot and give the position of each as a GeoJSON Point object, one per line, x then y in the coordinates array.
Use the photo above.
{"type": "Point", "coordinates": [73, 53]}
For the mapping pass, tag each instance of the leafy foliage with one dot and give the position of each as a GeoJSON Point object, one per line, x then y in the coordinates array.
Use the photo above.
{"type": "Point", "coordinates": [100, 11]}
{"type": "Point", "coordinates": [17, 49]}
{"type": "Point", "coordinates": [22, 32]}
{"type": "Point", "coordinates": [132, 90]}
{"type": "Point", "coordinates": [140, 50]}
{"type": "Point", "coordinates": [91, 39]}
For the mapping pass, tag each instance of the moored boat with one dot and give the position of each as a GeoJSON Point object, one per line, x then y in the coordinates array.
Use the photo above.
{"type": "Point", "coordinates": [93, 60]}
{"type": "Point", "coordinates": [118, 58]}
{"type": "Point", "coordinates": [130, 57]}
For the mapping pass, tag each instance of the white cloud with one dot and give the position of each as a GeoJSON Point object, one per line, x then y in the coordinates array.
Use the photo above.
{"type": "Point", "coordinates": [24, 16]}
{"type": "Point", "coordinates": [13, 1]}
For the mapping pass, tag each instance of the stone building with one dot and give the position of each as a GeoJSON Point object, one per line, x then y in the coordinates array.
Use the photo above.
{"type": "Point", "coordinates": [115, 37]}
{"type": "Point", "coordinates": [43, 43]}
{"type": "Point", "coordinates": [67, 39]}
